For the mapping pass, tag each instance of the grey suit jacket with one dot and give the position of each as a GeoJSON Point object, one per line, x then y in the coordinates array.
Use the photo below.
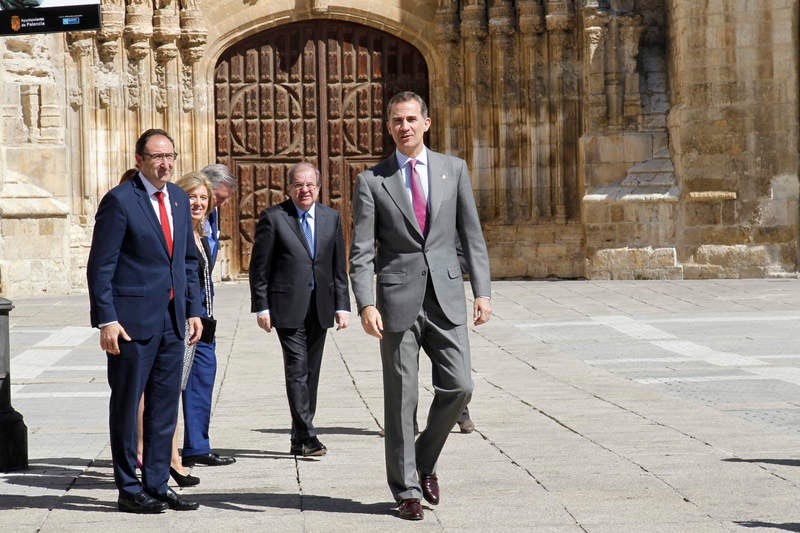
{"type": "Point", "coordinates": [387, 241]}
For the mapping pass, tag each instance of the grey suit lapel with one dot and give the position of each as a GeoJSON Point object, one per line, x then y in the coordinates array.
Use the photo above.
{"type": "Point", "coordinates": [395, 185]}
{"type": "Point", "coordinates": [437, 178]}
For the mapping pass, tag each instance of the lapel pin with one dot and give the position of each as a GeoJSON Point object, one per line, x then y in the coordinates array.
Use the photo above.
{"type": "Point", "coordinates": [444, 176]}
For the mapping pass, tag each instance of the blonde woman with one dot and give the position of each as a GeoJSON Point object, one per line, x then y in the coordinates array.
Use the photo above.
{"type": "Point", "coordinates": [200, 363]}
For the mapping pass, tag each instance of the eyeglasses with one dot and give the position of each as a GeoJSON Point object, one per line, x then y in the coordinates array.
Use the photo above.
{"type": "Point", "coordinates": [301, 186]}
{"type": "Point", "coordinates": [162, 157]}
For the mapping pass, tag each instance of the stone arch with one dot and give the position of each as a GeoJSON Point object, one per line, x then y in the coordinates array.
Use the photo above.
{"type": "Point", "coordinates": [311, 90]}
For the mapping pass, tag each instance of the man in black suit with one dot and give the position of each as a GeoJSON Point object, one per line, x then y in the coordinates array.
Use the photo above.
{"type": "Point", "coordinates": [298, 285]}
{"type": "Point", "coordinates": [143, 288]}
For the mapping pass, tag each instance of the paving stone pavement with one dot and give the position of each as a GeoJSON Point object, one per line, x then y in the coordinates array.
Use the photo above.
{"type": "Point", "coordinates": [600, 406]}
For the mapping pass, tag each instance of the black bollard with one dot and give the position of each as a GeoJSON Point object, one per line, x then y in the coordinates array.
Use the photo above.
{"type": "Point", "coordinates": [13, 432]}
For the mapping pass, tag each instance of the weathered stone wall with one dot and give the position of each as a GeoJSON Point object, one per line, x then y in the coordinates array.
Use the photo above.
{"type": "Point", "coordinates": [733, 129]}
{"type": "Point", "coordinates": [606, 138]}
{"type": "Point", "coordinates": [34, 184]}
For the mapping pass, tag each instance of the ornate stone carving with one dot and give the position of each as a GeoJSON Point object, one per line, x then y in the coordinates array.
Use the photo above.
{"type": "Point", "coordinates": [138, 29]}
{"type": "Point", "coordinates": [473, 21]}
{"type": "Point", "coordinates": [530, 16]}
{"type": "Point", "coordinates": [113, 17]}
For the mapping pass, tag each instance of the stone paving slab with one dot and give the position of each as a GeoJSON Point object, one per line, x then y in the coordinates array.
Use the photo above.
{"type": "Point", "coordinates": [599, 407]}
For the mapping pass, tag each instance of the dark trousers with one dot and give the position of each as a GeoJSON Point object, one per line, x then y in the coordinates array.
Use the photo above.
{"type": "Point", "coordinates": [302, 358]}
{"type": "Point", "coordinates": [152, 366]}
{"type": "Point", "coordinates": [197, 400]}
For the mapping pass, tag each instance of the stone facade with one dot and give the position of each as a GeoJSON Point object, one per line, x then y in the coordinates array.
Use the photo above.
{"type": "Point", "coordinates": [617, 139]}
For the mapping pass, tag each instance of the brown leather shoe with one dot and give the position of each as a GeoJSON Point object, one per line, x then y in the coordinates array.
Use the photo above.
{"type": "Point", "coordinates": [430, 488]}
{"type": "Point", "coordinates": [410, 509]}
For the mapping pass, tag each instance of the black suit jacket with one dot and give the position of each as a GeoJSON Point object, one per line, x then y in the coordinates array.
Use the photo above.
{"type": "Point", "coordinates": [281, 266]}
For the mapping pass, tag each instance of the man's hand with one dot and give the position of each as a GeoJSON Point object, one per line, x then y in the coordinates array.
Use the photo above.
{"type": "Point", "coordinates": [109, 337]}
{"type": "Point", "coordinates": [481, 311]}
{"type": "Point", "coordinates": [265, 322]}
{"type": "Point", "coordinates": [371, 321]}
{"type": "Point", "coordinates": [342, 320]}
{"type": "Point", "coordinates": [195, 329]}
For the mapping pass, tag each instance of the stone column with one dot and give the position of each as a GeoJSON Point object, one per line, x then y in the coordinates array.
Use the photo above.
{"type": "Point", "coordinates": [510, 200]}
{"type": "Point", "coordinates": [630, 31]}
{"type": "Point", "coordinates": [192, 45]}
{"type": "Point", "coordinates": [534, 173]}
{"type": "Point", "coordinates": [558, 25]}
{"type": "Point", "coordinates": [473, 30]}
{"type": "Point", "coordinates": [595, 31]}
{"type": "Point", "coordinates": [111, 112]}
{"type": "Point", "coordinates": [450, 125]}
{"type": "Point", "coordinates": [81, 100]}
{"type": "Point", "coordinates": [166, 31]}
{"type": "Point", "coordinates": [138, 30]}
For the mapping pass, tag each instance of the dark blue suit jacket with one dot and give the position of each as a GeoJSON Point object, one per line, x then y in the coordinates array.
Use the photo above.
{"type": "Point", "coordinates": [129, 270]}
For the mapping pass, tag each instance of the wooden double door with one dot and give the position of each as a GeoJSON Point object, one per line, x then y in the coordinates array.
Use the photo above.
{"type": "Point", "coordinates": [310, 91]}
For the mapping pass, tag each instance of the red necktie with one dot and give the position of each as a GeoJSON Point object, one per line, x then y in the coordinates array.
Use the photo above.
{"type": "Point", "coordinates": [418, 200]}
{"type": "Point", "coordinates": [162, 213]}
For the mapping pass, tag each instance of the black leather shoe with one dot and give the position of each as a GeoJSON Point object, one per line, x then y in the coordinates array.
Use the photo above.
{"type": "Point", "coordinates": [141, 503]}
{"type": "Point", "coordinates": [175, 502]}
{"type": "Point", "coordinates": [410, 509]}
{"type": "Point", "coordinates": [310, 448]}
{"type": "Point", "coordinates": [183, 481]}
{"type": "Point", "coordinates": [208, 459]}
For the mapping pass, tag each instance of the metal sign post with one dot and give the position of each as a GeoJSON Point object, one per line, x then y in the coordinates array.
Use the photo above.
{"type": "Point", "coordinates": [13, 432]}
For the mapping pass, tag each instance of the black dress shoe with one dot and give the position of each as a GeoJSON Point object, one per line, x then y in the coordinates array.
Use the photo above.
{"type": "Point", "coordinates": [141, 503]}
{"type": "Point", "coordinates": [183, 481]}
{"type": "Point", "coordinates": [208, 459]}
{"type": "Point", "coordinates": [175, 502]}
{"type": "Point", "coordinates": [410, 509]}
{"type": "Point", "coordinates": [310, 448]}
{"type": "Point", "coordinates": [430, 488]}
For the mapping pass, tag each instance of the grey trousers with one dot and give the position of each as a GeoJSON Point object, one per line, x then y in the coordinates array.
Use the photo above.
{"type": "Point", "coordinates": [447, 346]}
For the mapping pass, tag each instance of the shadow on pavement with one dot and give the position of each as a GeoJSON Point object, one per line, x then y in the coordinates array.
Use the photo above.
{"type": "Point", "coordinates": [784, 462]}
{"type": "Point", "coordinates": [332, 430]}
{"type": "Point", "coordinates": [771, 525]}
{"type": "Point", "coordinates": [77, 503]}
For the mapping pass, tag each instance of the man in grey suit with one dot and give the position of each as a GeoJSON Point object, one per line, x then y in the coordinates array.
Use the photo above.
{"type": "Point", "coordinates": [407, 213]}
{"type": "Point", "coordinates": [298, 285]}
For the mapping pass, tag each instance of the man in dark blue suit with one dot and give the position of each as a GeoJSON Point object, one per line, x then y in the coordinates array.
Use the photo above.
{"type": "Point", "coordinates": [143, 287]}
{"type": "Point", "coordinates": [298, 285]}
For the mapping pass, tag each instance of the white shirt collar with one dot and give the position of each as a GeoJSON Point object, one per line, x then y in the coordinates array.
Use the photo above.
{"type": "Point", "coordinates": [151, 189]}
{"type": "Point", "coordinates": [403, 159]}
{"type": "Point", "coordinates": [311, 210]}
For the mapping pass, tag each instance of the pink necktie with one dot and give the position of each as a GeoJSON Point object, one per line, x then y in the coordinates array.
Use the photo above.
{"type": "Point", "coordinates": [418, 200]}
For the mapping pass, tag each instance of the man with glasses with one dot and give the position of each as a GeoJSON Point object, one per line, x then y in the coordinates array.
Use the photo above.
{"type": "Point", "coordinates": [143, 287]}
{"type": "Point", "coordinates": [298, 285]}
